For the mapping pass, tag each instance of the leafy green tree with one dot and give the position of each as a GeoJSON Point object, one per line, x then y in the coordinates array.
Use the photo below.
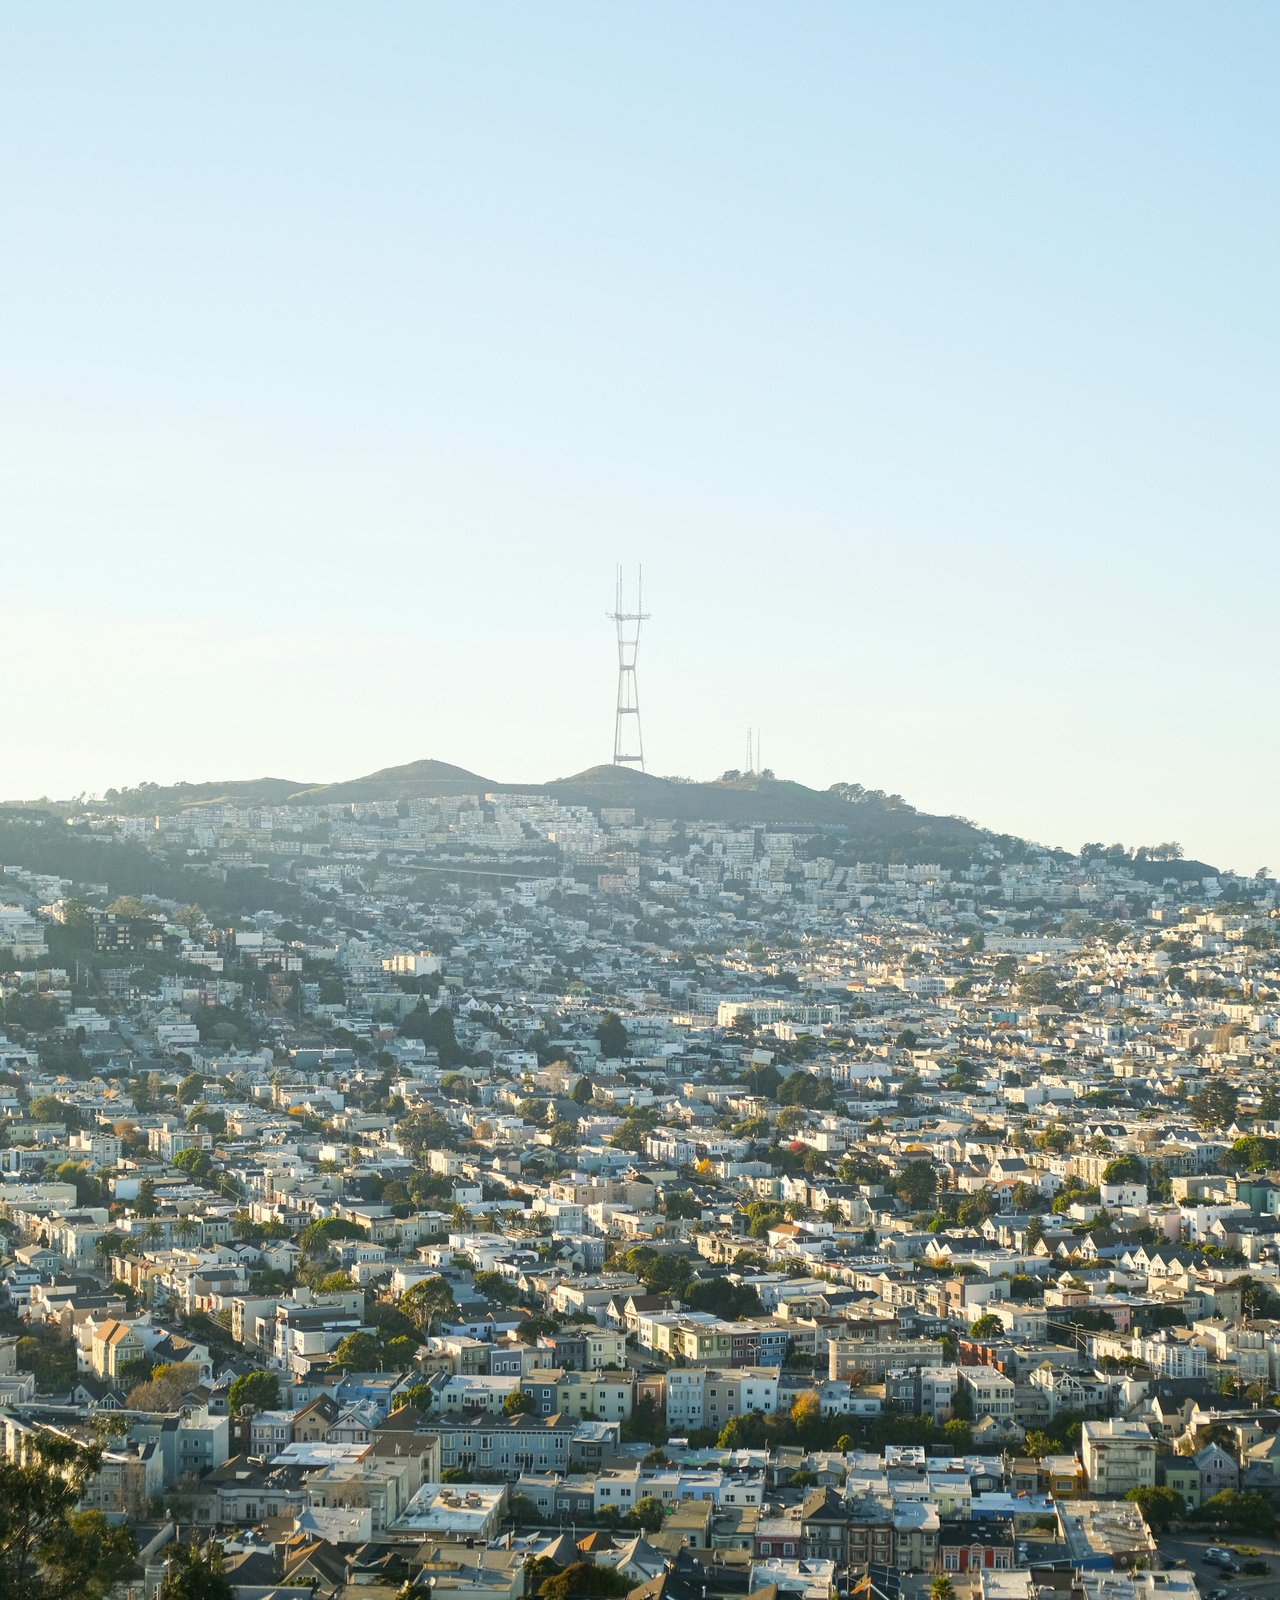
{"type": "Point", "coordinates": [193, 1574]}
{"type": "Point", "coordinates": [1214, 1106]}
{"type": "Point", "coordinates": [647, 1513]}
{"type": "Point", "coordinates": [987, 1327]}
{"type": "Point", "coordinates": [49, 1550]}
{"type": "Point", "coordinates": [259, 1389]}
{"type": "Point", "coordinates": [197, 1164]}
{"type": "Point", "coordinates": [1255, 1153]}
{"type": "Point", "coordinates": [729, 1301]}
{"type": "Point", "coordinates": [1125, 1169]}
{"type": "Point", "coordinates": [495, 1287]}
{"type": "Point", "coordinates": [129, 908]}
{"type": "Point", "coordinates": [89, 1191]}
{"type": "Point", "coordinates": [1039, 988]}
{"type": "Point", "coordinates": [790, 1120]}
{"type": "Point", "coordinates": [762, 1215]}
{"type": "Point", "coordinates": [763, 1079]}
{"type": "Point", "coordinates": [746, 1431]}
{"type": "Point", "coordinates": [435, 1029]}
{"type": "Point", "coordinates": [523, 1512]}
{"type": "Point", "coordinates": [1160, 1505]}
{"type": "Point", "coordinates": [915, 1184]}
{"type": "Point", "coordinates": [359, 1350]}
{"type": "Point", "coordinates": [48, 1108]}
{"type": "Point", "coordinates": [862, 1169]}
{"type": "Point", "coordinates": [426, 1302]}
{"type": "Point", "coordinates": [398, 1353]}
{"type": "Point", "coordinates": [190, 1089]}
{"type": "Point", "coordinates": [417, 1394]}
{"type": "Point", "coordinates": [316, 1237]}
{"type": "Point", "coordinates": [976, 1208]}
{"type": "Point", "coordinates": [958, 1434]}
{"type": "Point", "coordinates": [426, 1130]}
{"type": "Point", "coordinates": [519, 1403]}
{"type": "Point", "coordinates": [807, 1419]}
{"type": "Point", "coordinates": [612, 1034]}
{"type": "Point", "coordinates": [1245, 1510]}
{"type": "Point", "coordinates": [637, 1125]}
{"type": "Point", "coordinates": [647, 1423]}
{"type": "Point", "coordinates": [582, 1579]}
{"type": "Point", "coordinates": [666, 1274]}
{"type": "Point", "coordinates": [212, 1121]}
{"type": "Point", "coordinates": [942, 1588]}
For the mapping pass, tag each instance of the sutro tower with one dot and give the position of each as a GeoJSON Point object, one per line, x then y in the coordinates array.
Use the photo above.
{"type": "Point", "coordinates": [628, 626]}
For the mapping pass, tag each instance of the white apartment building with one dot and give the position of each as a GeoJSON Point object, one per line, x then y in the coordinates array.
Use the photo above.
{"type": "Point", "coordinates": [1117, 1456]}
{"type": "Point", "coordinates": [1170, 1358]}
{"type": "Point", "coordinates": [992, 1393]}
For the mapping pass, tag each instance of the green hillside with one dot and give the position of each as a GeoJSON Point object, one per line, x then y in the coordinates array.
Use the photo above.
{"type": "Point", "coordinates": [879, 824]}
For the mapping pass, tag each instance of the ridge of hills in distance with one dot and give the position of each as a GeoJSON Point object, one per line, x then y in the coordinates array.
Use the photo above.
{"type": "Point", "coordinates": [867, 822]}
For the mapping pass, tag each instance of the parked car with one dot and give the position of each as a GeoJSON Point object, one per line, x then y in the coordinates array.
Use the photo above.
{"type": "Point", "coordinates": [1222, 1559]}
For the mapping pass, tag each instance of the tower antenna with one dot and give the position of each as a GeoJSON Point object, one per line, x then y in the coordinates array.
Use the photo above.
{"type": "Point", "coordinates": [627, 733]}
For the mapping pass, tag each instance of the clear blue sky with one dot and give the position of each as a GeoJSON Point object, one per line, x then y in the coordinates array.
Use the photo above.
{"type": "Point", "coordinates": [925, 354]}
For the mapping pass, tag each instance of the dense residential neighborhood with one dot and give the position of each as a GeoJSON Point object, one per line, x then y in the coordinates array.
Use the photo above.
{"type": "Point", "coordinates": [497, 1195]}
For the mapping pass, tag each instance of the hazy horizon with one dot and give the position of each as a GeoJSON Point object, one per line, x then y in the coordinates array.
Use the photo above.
{"type": "Point", "coordinates": [924, 356]}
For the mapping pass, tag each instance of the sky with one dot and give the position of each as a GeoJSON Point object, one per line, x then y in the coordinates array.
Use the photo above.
{"type": "Point", "coordinates": [925, 356]}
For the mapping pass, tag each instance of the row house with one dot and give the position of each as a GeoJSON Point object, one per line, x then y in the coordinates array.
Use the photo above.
{"type": "Point", "coordinates": [506, 1447]}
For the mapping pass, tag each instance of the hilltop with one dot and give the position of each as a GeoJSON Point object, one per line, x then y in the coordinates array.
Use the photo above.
{"type": "Point", "coordinates": [416, 779]}
{"type": "Point", "coordinates": [754, 800]}
{"type": "Point", "coordinates": [865, 822]}
{"type": "Point", "coordinates": [741, 800]}
{"type": "Point", "coordinates": [883, 824]}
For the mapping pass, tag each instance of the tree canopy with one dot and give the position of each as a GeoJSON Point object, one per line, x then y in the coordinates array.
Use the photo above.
{"type": "Point", "coordinates": [260, 1389]}
{"type": "Point", "coordinates": [49, 1550]}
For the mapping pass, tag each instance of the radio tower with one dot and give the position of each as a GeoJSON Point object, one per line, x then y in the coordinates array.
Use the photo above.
{"type": "Point", "coordinates": [628, 626]}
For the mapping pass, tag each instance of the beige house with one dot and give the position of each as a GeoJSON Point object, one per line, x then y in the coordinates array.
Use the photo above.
{"type": "Point", "coordinates": [115, 1345]}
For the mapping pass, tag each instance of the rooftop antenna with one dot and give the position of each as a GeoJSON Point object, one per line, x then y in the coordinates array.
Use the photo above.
{"type": "Point", "coordinates": [628, 626]}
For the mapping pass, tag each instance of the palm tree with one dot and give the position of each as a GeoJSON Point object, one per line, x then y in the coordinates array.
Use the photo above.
{"type": "Point", "coordinates": [942, 1588]}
